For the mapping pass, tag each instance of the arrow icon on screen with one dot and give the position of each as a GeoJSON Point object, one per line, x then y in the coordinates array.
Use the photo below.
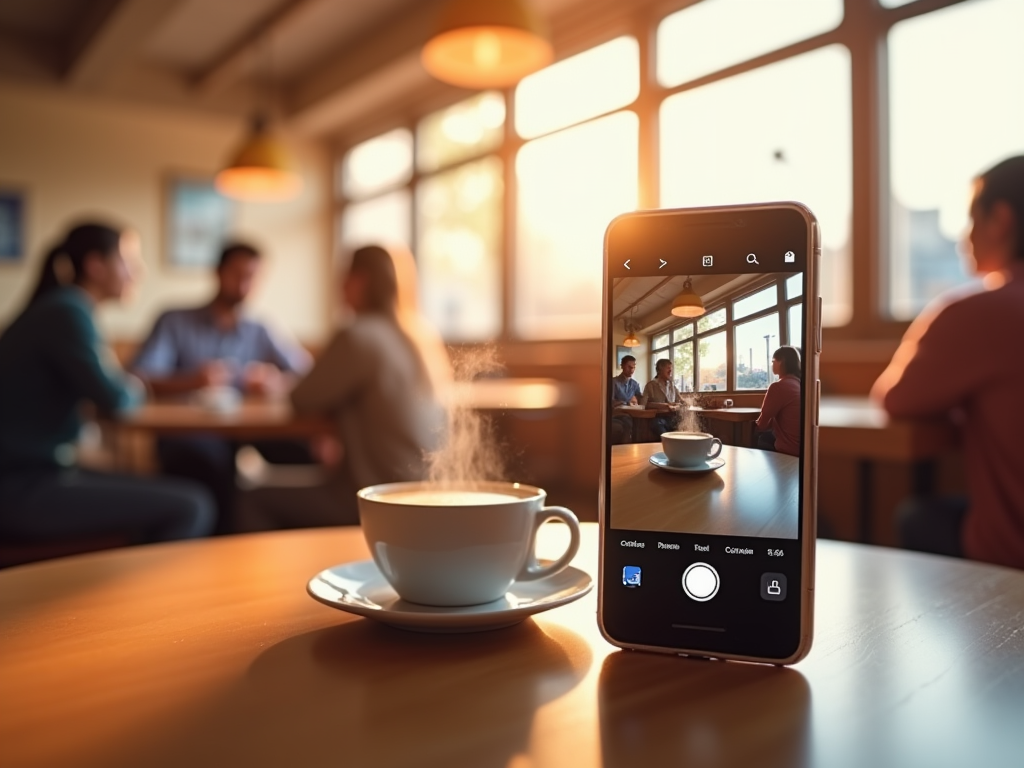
{"type": "Point", "coordinates": [663, 263]}
{"type": "Point", "coordinates": [626, 265]}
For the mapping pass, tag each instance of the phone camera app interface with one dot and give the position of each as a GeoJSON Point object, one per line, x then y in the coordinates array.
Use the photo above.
{"type": "Point", "coordinates": [705, 435]}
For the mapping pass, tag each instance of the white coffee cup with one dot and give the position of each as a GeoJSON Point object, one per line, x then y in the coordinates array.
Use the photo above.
{"type": "Point", "coordinates": [461, 544]}
{"type": "Point", "coordinates": [690, 449]}
{"type": "Point", "coordinates": [219, 399]}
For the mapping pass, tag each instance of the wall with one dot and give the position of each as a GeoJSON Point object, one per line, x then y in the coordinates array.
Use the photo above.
{"type": "Point", "coordinates": [77, 156]}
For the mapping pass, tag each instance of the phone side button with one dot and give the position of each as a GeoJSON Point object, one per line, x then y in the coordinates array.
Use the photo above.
{"type": "Point", "coordinates": [817, 402]}
{"type": "Point", "coordinates": [819, 325]}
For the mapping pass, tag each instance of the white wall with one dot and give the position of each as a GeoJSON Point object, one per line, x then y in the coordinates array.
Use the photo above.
{"type": "Point", "coordinates": [79, 156]}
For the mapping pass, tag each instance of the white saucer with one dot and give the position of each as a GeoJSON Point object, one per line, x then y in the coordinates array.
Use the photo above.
{"type": "Point", "coordinates": [660, 460]}
{"type": "Point", "coordinates": [361, 588]}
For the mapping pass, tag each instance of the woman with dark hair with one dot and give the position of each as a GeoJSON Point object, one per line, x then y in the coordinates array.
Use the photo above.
{"type": "Point", "coordinates": [964, 353]}
{"type": "Point", "coordinates": [53, 360]}
{"type": "Point", "coordinates": [383, 378]}
{"type": "Point", "coordinates": [779, 422]}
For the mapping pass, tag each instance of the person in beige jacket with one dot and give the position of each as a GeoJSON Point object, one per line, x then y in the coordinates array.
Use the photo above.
{"type": "Point", "coordinates": [383, 379]}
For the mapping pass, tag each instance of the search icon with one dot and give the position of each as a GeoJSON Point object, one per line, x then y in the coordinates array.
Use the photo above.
{"type": "Point", "coordinates": [752, 259]}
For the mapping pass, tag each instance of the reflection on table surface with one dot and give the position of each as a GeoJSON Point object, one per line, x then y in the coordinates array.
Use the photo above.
{"type": "Point", "coordinates": [210, 653]}
{"type": "Point", "coordinates": [756, 493]}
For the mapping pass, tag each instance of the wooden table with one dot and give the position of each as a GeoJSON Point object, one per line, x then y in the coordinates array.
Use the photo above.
{"type": "Point", "coordinates": [741, 419]}
{"type": "Point", "coordinates": [253, 420]}
{"type": "Point", "coordinates": [855, 427]}
{"type": "Point", "coordinates": [756, 493]}
{"type": "Point", "coordinates": [210, 653]}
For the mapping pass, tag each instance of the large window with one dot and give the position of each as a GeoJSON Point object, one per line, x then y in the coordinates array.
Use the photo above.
{"type": "Point", "coordinates": [956, 98]}
{"type": "Point", "coordinates": [720, 102]}
{"type": "Point", "coordinates": [730, 347]}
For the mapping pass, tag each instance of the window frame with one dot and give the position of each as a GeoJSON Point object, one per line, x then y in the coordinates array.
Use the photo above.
{"type": "Point", "coordinates": [781, 308]}
{"type": "Point", "coordinates": [863, 31]}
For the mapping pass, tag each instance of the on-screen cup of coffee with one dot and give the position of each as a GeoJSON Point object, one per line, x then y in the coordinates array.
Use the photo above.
{"type": "Point", "coordinates": [459, 544]}
{"type": "Point", "coordinates": [690, 449]}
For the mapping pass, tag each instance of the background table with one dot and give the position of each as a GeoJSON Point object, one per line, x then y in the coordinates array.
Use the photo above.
{"type": "Point", "coordinates": [756, 493]}
{"type": "Point", "coordinates": [211, 654]}
{"type": "Point", "coordinates": [855, 427]}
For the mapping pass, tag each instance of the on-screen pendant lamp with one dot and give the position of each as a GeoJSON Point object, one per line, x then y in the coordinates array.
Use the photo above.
{"type": "Point", "coordinates": [631, 340]}
{"type": "Point", "coordinates": [481, 44]}
{"type": "Point", "coordinates": [261, 169]}
{"type": "Point", "coordinates": [688, 303]}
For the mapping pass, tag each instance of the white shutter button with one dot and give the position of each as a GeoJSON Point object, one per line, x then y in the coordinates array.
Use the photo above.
{"type": "Point", "coordinates": [700, 582]}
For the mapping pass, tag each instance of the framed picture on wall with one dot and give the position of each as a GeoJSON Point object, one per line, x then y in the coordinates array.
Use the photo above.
{"type": "Point", "coordinates": [197, 221]}
{"type": "Point", "coordinates": [621, 352]}
{"type": "Point", "coordinates": [12, 225]}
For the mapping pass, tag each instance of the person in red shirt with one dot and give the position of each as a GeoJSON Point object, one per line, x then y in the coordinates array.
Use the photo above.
{"type": "Point", "coordinates": [780, 411]}
{"type": "Point", "coordinates": [964, 354]}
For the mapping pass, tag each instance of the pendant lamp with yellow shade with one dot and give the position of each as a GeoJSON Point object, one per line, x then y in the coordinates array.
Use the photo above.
{"type": "Point", "coordinates": [487, 43]}
{"type": "Point", "coordinates": [688, 303]}
{"type": "Point", "coordinates": [261, 169]}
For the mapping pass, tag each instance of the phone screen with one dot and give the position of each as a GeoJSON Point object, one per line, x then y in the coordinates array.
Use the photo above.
{"type": "Point", "coordinates": [707, 429]}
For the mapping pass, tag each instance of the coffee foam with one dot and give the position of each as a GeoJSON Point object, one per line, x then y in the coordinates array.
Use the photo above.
{"type": "Point", "coordinates": [446, 498]}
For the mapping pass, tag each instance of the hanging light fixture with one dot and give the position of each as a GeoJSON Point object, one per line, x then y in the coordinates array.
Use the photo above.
{"type": "Point", "coordinates": [688, 303]}
{"type": "Point", "coordinates": [631, 340]}
{"type": "Point", "coordinates": [261, 169]}
{"type": "Point", "coordinates": [492, 44]}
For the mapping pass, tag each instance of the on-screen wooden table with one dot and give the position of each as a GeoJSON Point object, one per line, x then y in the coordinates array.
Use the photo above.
{"type": "Point", "coordinates": [210, 654]}
{"type": "Point", "coordinates": [253, 420]}
{"type": "Point", "coordinates": [756, 493]}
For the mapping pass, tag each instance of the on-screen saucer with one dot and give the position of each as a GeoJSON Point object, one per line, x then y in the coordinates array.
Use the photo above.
{"type": "Point", "coordinates": [660, 460]}
{"type": "Point", "coordinates": [361, 588]}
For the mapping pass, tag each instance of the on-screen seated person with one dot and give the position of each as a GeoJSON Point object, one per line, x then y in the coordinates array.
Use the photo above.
{"type": "Point", "coordinates": [384, 378]}
{"type": "Point", "coordinates": [53, 360]}
{"type": "Point", "coordinates": [662, 394]}
{"type": "Point", "coordinates": [779, 422]}
{"type": "Point", "coordinates": [217, 345]}
{"type": "Point", "coordinates": [625, 391]}
{"type": "Point", "coordinates": [964, 354]}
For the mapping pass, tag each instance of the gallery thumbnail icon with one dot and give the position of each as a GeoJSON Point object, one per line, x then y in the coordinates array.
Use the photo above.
{"type": "Point", "coordinates": [631, 576]}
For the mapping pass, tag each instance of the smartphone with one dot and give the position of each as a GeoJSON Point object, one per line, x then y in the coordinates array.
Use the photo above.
{"type": "Point", "coordinates": [708, 511]}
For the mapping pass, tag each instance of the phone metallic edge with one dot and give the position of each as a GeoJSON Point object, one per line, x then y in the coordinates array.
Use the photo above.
{"type": "Point", "coordinates": [812, 389]}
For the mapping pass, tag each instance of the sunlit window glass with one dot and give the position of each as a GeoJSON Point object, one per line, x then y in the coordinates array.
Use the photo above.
{"type": "Point", "coordinates": [661, 341]}
{"type": "Point", "coordinates": [583, 86]}
{"type": "Point", "coordinates": [754, 344]}
{"type": "Point", "coordinates": [713, 151]}
{"type": "Point", "coordinates": [795, 328]}
{"type": "Point", "coordinates": [715, 34]}
{"type": "Point", "coordinates": [794, 286]}
{"type": "Point", "coordinates": [384, 220]}
{"type": "Point", "coordinates": [382, 162]}
{"type": "Point", "coordinates": [459, 225]}
{"type": "Point", "coordinates": [683, 333]}
{"type": "Point", "coordinates": [463, 130]}
{"type": "Point", "coordinates": [571, 184]}
{"type": "Point", "coordinates": [711, 359]}
{"type": "Point", "coordinates": [769, 297]}
{"type": "Point", "coordinates": [682, 365]}
{"type": "Point", "coordinates": [956, 108]}
{"type": "Point", "coordinates": [711, 320]}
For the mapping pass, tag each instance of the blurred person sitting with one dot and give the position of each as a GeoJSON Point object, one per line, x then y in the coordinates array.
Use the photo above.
{"type": "Point", "coordinates": [384, 378]}
{"type": "Point", "coordinates": [961, 355]}
{"type": "Point", "coordinates": [661, 394]}
{"type": "Point", "coordinates": [212, 346]}
{"type": "Point", "coordinates": [53, 360]}
{"type": "Point", "coordinates": [779, 422]}
{"type": "Point", "coordinates": [625, 391]}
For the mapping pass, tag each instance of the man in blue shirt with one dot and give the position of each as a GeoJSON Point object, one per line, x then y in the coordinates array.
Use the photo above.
{"type": "Point", "coordinates": [215, 345]}
{"type": "Point", "coordinates": [625, 391]}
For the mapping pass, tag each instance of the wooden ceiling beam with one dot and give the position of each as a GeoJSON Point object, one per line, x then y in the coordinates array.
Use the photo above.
{"type": "Point", "coordinates": [230, 67]}
{"type": "Point", "coordinates": [110, 37]}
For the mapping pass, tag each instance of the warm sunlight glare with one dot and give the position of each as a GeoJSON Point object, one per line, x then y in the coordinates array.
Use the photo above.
{"type": "Point", "coordinates": [571, 184]}
{"type": "Point", "coordinates": [381, 162]}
